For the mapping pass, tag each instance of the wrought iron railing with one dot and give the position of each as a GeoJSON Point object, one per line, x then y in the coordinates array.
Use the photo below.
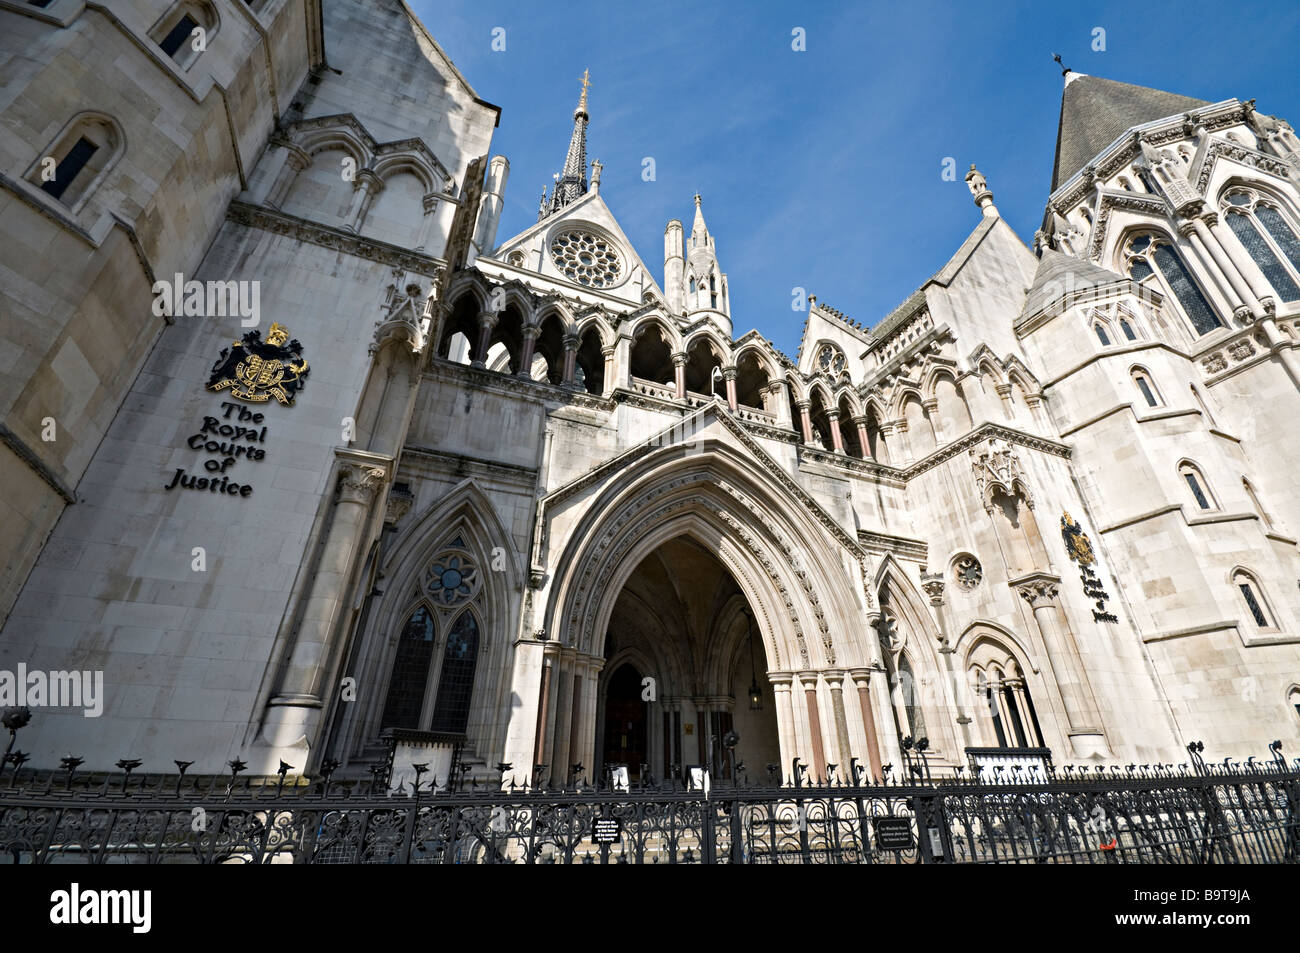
{"type": "Point", "coordinates": [1192, 813]}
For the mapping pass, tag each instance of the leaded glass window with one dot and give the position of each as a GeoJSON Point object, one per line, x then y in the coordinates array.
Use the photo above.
{"type": "Point", "coordinates": [1193, 478]}
{"type": "Point", "coordinates": [1127, 329]}
{"type": "Point", "coordinates": [1282, 233]}
{"type": "Point", "coordinates": [456, 682]}
{"type": "Point", "coordinates": [410, 672]}
{"type": "Point", "coordinates": [1145, 388]}
{"type": "Point", "coordinates": [1252, 603]}
{"type": "Point", "coordinates": [1148, 254]}
{"type": "Point", "coordinates": [1258, 248]}
{"type": "Point", "coordinates": [1102, 336]}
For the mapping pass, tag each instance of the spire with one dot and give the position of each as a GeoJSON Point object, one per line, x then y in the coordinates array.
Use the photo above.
{"type": "Point", "coordinates": [699, 231]}
{"type": "Point", "coordinates": [571, 185]}
{"type": "Point", "coordinates": [1095, 112]}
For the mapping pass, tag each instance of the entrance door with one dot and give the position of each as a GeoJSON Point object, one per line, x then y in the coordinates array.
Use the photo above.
{"type": "Point", "coordinates": [625, 727]}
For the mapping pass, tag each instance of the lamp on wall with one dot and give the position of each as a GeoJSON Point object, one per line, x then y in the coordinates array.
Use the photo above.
{"type": "Point", "coordinates": [755, 693]}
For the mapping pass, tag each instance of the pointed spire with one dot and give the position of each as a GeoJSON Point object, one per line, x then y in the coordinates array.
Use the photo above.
{"type": "Point", "coordinates": [571, 185]}
{"type": "Point", "coordinates": [699, 231]}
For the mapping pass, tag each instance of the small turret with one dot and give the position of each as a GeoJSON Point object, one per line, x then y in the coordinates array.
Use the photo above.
{"type": "Point", "coordinates": [706, 285]}
{"type": "Point", "coordinates": [489, 216]}
{"type": "Point", "coordinates": [674, 268]}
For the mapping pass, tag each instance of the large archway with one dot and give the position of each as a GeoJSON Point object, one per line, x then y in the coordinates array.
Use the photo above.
{"type": "Point", "coordinates": [682, 657]}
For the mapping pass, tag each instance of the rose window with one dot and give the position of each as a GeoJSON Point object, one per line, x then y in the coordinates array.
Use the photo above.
{"type": "Point", "coordinates": [968, 572]}
{"type": "Point", "coordinates": [586, 258]}
{"type": "Point", "coordinates": [452, 579]}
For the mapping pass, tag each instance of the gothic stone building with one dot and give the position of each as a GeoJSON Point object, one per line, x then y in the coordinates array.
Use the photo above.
{"type": "Point", "coordinates": [532, 501]}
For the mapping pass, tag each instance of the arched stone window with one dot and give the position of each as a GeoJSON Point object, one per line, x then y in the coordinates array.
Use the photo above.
{"type": "Point", "coordinates": [75, 163]}
{"type": "Point", "coordinates": [1293, 699]}
{"type": "Point", "coordinates": [185, 31]}
{"type": "Point", "coordinates": [1127, 327]}
{"type": "Point", "coordinates": [1267, 236]}
{"type": "Point", "coordinates": [444, 617]}
{"type": "Point", "coordinates": [1200, 489]}
{"type": "Point", "coordinates": [1142, 380]}
{"type": "Point", "coordinates": [1100, 330]}
{"type": "Point", "coordinates": [1259, 507]}
{"type": "Point", "coordinates": [1005, 705]}
{"type": "Point", "coordinates": [1256, 605]}
{"type": "Point", "coordinates": [1148, 256]}
{"type": "Point", "coordinates": [830, 360]}
{"type": "Point", "coordinates": [651, 357]}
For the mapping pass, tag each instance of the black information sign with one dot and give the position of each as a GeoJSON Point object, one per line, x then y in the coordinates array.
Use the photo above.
{"type": "Point", "coordinates": [607, 830]}
{"type": "Point", "coordinates": [893, 833]}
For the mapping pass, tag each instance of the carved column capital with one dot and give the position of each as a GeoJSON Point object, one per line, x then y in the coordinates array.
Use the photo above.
{"type": "Point", "coordinates": [679, 359]}
{"type": "Point", "coordinates": [1039, 592]}
{"type": "Point", "coordinates": [358, 483]}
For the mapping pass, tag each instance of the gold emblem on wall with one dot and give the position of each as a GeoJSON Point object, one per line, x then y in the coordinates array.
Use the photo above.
{"type": "Point", "coordinates": [255, 370]}
{"type": "Point", "coordinates": [1077, 543]}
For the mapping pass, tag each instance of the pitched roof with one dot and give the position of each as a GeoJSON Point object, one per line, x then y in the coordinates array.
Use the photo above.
{"type": "Point", "coordinates": [1095, 112]}
{"type": "Point", "coordinates": [1059, 274]}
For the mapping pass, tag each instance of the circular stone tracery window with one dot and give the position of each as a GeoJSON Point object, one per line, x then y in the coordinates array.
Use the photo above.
{"type": "Point", "coordinates": [451, 579]}
{"type": "Point", "coordinates": [967, 572]}
{"type": "Point", "coordinates": [586, 258]}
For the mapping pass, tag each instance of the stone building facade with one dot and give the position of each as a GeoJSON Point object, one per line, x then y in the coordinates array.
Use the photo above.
{"type": "Point", "coordinates": [526, 501]}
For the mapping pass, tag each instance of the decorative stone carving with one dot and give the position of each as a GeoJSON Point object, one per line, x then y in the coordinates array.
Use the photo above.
{"type": "Point", "coordinates": [967, 572]}
{"type": "Point", "coordinates": [996, 467]}
{"type": "Point", "coordinates": [1214, 363]}
{"type": "Point", "coordinates": [1039, 592]}
{"type": "Point", "coordinates": [357, 484]}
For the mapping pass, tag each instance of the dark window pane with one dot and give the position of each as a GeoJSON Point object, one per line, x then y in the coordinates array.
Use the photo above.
{"type": "Point", "coordinates": [1186, 291]}
{"type": "Point", "coordinates": [178, 35]}
{"type": "Point", "coordinates": [456, 683]}
{"type": "Point", "coordinates": [69, 166]}
{"type": "Point", "coordinates": [1139, 269]}
{"type": "Point", "coordinates": [1253, 604]}
{"type": "Point", "coordinates": [1145, 388]}
{"type": "Point", "coordinates": [1281, 232]}
{"type": "Point", "coordinates": [410, 672]}
{"type": "Point", "coordinates": [1258, 248]}
{"type": "Point", "coordinates": [1197, 492]}
{"type": "Point", "coordinates": [1127, 329]}
{"type": "Point", "coordinates": [1101, 335]}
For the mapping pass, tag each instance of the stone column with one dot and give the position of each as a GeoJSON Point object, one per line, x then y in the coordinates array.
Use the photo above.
{"type": "Point", "coordinates": [531, 332]}
{"type": "Point", "coordinates": [608, 352]}
{"type": "Point", "coordinates": [365, 188]}
{"type": "Point", "coordinates": [1235, 276]}
{"type": "Point", "coordinates": [590, 682]}
{"type": "Point", "coordinates": [931, 407]}
{"type": "Point", "coordinates": [487, 322]}
{"type": "Point", "coordinates": [729, 374]}
{"type": "Point", "coordinates": [777, 405]}
{"type": "Point", "coordinates": [934, 583]}
{"type": "Point", "coordinates": [562, 730]}
{"type": "Point", "coordinates": [570, 359]}
{"type": "Point", "coordinates": [679, 373]}
{"type": "Point", "coordinates": [430, 205]}
{"type": "Point", "coordinates": [1004, 391]}
{"type": "Point", "coordinates": [809, 682]}
{"type": "Point", "coordinates": [863, 442]}
{"type": "Point", "coordinates": [835, 682]}
{"type": "Point", "coordinates": [1241, 261]}
{"type": "Point", "coordinates": [862, 682]}
{"type": "Point", "coordinates": [1041, 591]}
{"type": "Point", "coordinates": [296, 707]}
{"type": "Point", "coordinates": [295, 160]}
{"type": "Point", "coordinates": [805, 421]}
{"type": "Point", "coordinates": [782, 682]}
{"type": "Point", "coordinates": [837, 439]}
{"type": "Point", "coordinates": [1241, 310]}
{"type": "Point", "coordinates": [541, 741]}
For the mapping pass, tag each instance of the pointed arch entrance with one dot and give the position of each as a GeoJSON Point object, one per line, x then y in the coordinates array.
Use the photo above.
{"type": "Point", "coordinates": [797, 572]}
{"type": "Point", "coordinates": [681, 661]}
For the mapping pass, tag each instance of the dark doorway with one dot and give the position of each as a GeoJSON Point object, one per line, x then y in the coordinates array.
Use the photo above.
{"type": "Point", "coordinates": [625, 728]}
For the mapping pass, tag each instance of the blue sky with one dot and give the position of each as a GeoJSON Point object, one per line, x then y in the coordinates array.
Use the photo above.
{"type": "Point", "coordinates": [822, 169]}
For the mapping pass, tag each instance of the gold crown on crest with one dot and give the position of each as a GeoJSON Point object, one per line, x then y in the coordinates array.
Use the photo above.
{"type": "Point", "coordinates": [277, 335]}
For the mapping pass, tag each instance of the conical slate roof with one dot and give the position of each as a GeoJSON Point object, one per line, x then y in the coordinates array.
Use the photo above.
{"type": "Point", "coordinates": [1059, 274]}
{"type": "Point", "coordinates": [1095, 112]}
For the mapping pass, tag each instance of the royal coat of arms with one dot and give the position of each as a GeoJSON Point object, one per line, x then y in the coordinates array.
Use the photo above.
{"type": "Point", "coordinates": [257, 370]}
{"type": "Point", "coordinates": [1077, 543]}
